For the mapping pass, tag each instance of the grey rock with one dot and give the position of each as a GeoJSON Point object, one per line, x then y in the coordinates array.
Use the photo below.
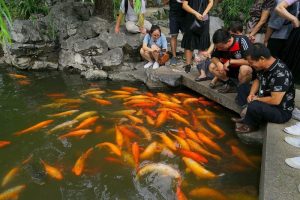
{"type": "Point", "coordinates": [165, 75]}
{"type": "Point", "coordinates": [39, 65]}
{"type": "Point", "coordinates": [95, 74]}
{"type": "Point", "coordinates": [25, 31]}
{"type": "Point", "coordinates": [215, 23]}
{"type": "Point", "coordinates": [116, 40]}
{"type": "Point", "coordinates": [121, 76]}
{"type": "Point", "coordinates": [91, 47]}
{"type": "Point", "coordinates": [109, 60]}
{"type": "Point", "coordinates": [68, 44]}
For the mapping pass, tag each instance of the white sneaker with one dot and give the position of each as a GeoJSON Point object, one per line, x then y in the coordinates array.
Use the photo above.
{"type": "Point", "coordinates": [293, 141]}
{"type": "Point", "coordinates": [149, 64]}
{"type": "Point", "coordinates": [293, 162]}
{"type": "Point", "coordinates": [296, 114]}
{"type": "Point", "coordinates": [293, 130]}
{"type": "Point", "coordinates": [155, 65]}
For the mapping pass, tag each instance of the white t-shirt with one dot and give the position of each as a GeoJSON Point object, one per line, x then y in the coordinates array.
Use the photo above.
{"type": "Point", "coordinates": [131, 15]}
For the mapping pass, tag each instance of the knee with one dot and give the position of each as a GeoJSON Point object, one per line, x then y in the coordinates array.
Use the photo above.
{"type": "Point", "coordinates": [245, 70]}
{"type": "Point", "coordinates": [212, 67]}
{"type": "Point", "coordinates": [254, 106]}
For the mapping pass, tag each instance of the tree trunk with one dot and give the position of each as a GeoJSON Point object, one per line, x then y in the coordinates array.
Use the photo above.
{"type": "Point", "coordinates": [104, 9]}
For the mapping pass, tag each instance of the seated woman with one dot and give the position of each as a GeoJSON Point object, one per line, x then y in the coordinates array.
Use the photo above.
{"type": "Point", "coordinates": [154, 45]}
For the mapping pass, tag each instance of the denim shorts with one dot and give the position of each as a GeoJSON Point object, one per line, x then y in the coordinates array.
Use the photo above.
{"type": "Point", "coordinates": [176, 24]}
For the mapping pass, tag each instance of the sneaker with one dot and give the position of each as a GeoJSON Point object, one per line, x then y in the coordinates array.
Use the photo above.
{"type": "Point", "coordinates": [293, 162]}
{"type": "Point", "coordinates": [173, 61]}
{"type": "Point", "coordinates": [155, 65]}
{"type": "Point", "coordinates": [293, 141]}
{"type": "Point", "coordinates": [149, 64]}
{"type": "Point", "coordinates": [293, 130]}
{"type": "Point", "coordinates": [228, 87]}
{"type": "Point", "coordinates": [296, 114]}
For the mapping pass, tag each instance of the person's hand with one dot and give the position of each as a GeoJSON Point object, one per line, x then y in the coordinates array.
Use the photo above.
{"type": "Point", "coordinates": [142, 30]}
{"type": "Point", "coordinates": [117, 29]}
{"type": "Point", "coordinates": [220, 67]}
{"type": "Point", "coordinates": [251, 38]}
{"type": "Point", "coordinates": [199, 16]}
{"type": "Point", "coordinates": [295, 22]}
{"type": "Point", "coordinates": [205, 54]}
{"type": "Point", "coordinates": [226, 65]}
{"type": "Point", "coordinates": [251, 98]}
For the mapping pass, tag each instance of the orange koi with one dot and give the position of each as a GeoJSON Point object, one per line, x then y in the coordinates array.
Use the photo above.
{"type": "Point", "coordinates": [216, 128]}
{"type": "Point", "coordinates": [63, 114]}
{"type": "Point", "coordinates": [85, 115]}
{"type": "Point", "coordinates": [137, 101]}
{"type": "Point", "coordinates": [198, 169]}
{"type": "Point", "coordinates": [12, 193]}
{"type": "Point", "coordinates": [136, 154]}
{"type": "Point", "coordinates": [196, 157]}
{"type": "Point", "coordinates": [119, 137]}
{"type": "Point", "coordinates": [196, 123]}
{"type": "Point", "coordinates": [24, 82]}
{"type": "Point", "coordinates": [98, 129]}
{"type": "Point", "coordinates": [52, 171]}
{"type": "Point", "coordinates": [242, 156]}
{"type": "Point", "coordinates": [114, 160]}
{"type": "Point", "coordinates": [144, 104]}
{"type": "Point", "coordinates": [175, 100]}
{"type": "Point", "coordinates": [140, 112]}
{"type": "Point", "coordinates": [179, 194]}
{"type": "Point", "coordinates": [69, 101]}
{"type": "Point", "coordinates": [137, 97]}
{"type": "Point", "coordinates": [149, 151]}
{"type": "Point", "coordinates": [10, 175]}
{"type": "Point", "coordinates": [206, 103]}
{"type": "Point", "coordinates": [167, 141]}
{"type": "Point", "coordinates": [36, 127]}
{"type": "Point", "coordinates": [207, 193]}
{"type": "Point", "coordinates": [145, 132]}
{"type": "Point", "coordinates": [95, 92]}
{"type": "Point", "coordinates": [80, 162]}
{"type": "Point", "coordinates": [150, 120]}
{"type": "Point", "coordinates": [150, 112]}
{"type": "Point", "coordinates": [79, 133]}
{"type": "Point", "coordinates": [183, 95]}
{"type": "Point", "coordinates": [182, 143]}
{"type": "Point", "coordinates": [124, 112]}
{"type": "Point", "coordinates": [111, 146]}
{"type": "Point", "coordinates": [162, 118]}
{"type": "Point", "coordinates": [188, 101]}
{"type": "Point", "coordinates": [181, 133]}
{"type": "Point", "coordinates": [196, 147]}
{"type": "Point", "coordinates": [192, 135]}
{"type": "Point", "coordinates": [27, 160]}
{"type": "Point", "coordinates": [149, 94]}
{"type": "Point", "coordinates": [56, 95]}
{"type": "Point", "coordinates": [209, 142]}
{"type": "Point", "coordinates": [101, 101]}
{"type": "Point", "coordinates": [87, 122]}
{"type": "Point", "coordinates": [119, 96]}
{"type": "Point", "coordinates": [19, 76]}
{"type": "Point", "coordinates": [170, 104]}
{"type": "Point", "coordinates": [129, 89]}
{"type": "Point", "coordinates": [179, 118]}
{"type": "Point", "coordinates": [120, 92]}
{"type": "Point", "coordinates": [127, 132]}
{"type": "Point", "coordinates": [163, 96]}
{"type": "Point", "coordinates": [4, 143]}
{"type": "Point", "coordinates": [135, 119]}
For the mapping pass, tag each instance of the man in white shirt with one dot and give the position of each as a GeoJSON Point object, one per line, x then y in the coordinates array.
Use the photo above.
{"type": "Point", "coordinates": [134, 11]}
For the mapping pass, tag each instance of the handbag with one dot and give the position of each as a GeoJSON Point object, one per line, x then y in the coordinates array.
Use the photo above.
{"type": "Point", "coordinates": [163, 58]}
{"type": "Point", "coordinates": [198, 25]}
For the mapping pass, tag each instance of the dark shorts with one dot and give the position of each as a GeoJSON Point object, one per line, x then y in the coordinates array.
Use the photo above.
{"type": "Point", "coordinates": [176, 24]}
{"type": "Point", "coordinates": [233, 72]}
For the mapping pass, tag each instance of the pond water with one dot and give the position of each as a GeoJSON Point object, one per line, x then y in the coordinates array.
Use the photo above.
{"type": "Point", "coordinates": [111, 142]}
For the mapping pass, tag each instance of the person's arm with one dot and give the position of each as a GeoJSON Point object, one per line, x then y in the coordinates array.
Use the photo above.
{"type": "Point", "coordinates": [164, 43]}
{"type": "Point", "coordinates": [141, 17]}
{"type": "Point", "coordinates": [218, 63]}
{"type": "Point", "coordinates": [275, 98]}
{"type": "Point", "coordinates": [145, 43]}
{"type": "Point", "coordinates": [188, 9]}
{"type": "Point", "coordinates": [209, 6]}
{"type": "Point", "coordinates": [253, 90]}
{"type": "Point", "coordinates": [263, 19]}
{"type": "Point", "coordinates": [281, 9]}
{"type": "Point", "coordinates": [118, 22]}
{"type": "Point", "coordinates": [268, 34]}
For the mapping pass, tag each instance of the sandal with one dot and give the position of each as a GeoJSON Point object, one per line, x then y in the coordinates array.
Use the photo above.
{"type": "Point", "coordinates": [212, 85]}
{"type": "Point", "coordinates": [198, 79]}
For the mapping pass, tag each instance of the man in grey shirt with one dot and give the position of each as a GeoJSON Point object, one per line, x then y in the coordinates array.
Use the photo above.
{"type": "Point", "coordinates": [278, 31]}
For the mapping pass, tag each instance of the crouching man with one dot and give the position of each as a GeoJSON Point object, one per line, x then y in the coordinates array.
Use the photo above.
{"type": "Point", "coordinates": [272, 94]}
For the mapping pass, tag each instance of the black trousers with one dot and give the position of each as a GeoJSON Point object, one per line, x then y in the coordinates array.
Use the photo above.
{"type": "Point", "coordinates": [259, 113]}
{"type": "Point", "coordinates": [276, 47]}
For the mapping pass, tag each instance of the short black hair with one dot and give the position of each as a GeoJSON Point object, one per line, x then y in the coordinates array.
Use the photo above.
{"type": "Point", "coordinates": [154, 28]}
{"type": "Point", "coordinates": [221, 36]}
{"type": "Point", "coordinates": [257, 51]}
{"type": "Point", "coordinates": [236, 26]}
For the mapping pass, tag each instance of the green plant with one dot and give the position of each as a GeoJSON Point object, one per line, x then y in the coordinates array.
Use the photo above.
{"type": "Point", "coordinates": [5, 19]}
{"type": "Point", "coordinates": [235, 10]}
{"type": "Point", "coordinates": [24, 8]}
{"type": "Point", "coordinates": [116, 7]}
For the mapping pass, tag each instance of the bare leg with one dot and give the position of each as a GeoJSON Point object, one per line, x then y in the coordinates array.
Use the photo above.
{"type": "Point", "coordinates": [146, 55]}
{"type": "Point", "coordinates": [173, 45]}
{"type": "Point", "coordinates": [188, 56]}
{"type": "Point", "coordinates": [218, 74]}
{"type": "Point", "coordinates": [245, 74]}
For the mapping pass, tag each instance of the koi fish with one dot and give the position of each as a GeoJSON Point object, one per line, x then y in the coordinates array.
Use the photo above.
{"type": "Point", "coordinates": [24, 82]}
{"type": "Point", "coordinates": [111, 146]}
{"type": "Point", "coordinates": [79, 133]}
{"type": "Point", "coordinates": [120, 96]}
{"type": "Point", "coordinates": [36, 127]}
{"type": "Point", "coordinates": [121, 92]}
{"type": "Point", "coordinates": [137, 101]}
{"type": "Point", "coordinates": [167, 141]}
{"type": "Point", "coordinates": [101, 101]}
{"type": "Point", "coordinates": [10, 175]}
{"type": "Point", "coordinates": [198, 148]}
{"type": "Point", "coordinates": [124, 112]}
{"type": "Point", "coordinates": [52, 171]}
{"type": "Point", "coordinates": [128, 159]}
{"type": "Point", "coordinates": [12, 193]}
{"type": "Point", "coordinates": [136, 154]}
{"type": "Point", "coordinates": [19, 76]}
{"type": "Point", "coordinates": [144, 104]}
{"type": "Point", "coordinates": [87, 122]}
{"type": "Point", "coordinates": [4, 143]}
{"type": "Point", "coordinates": [98, 129]}
{"type": "Point", "coordinates": [65, 125]}
{"type": "Point", "coordinates": [92, 93]}
{"type": "Point", "coordinates": [145, 132]}
{"type": "Point", "coordinates": [192, 135]}
{"type": "Point", "coordinates": [56, 95]}
{"type": "Point", "coordinates": [159, 168]}
{"type": "Point", "coordinates": [163, 96]}
{"type": "Point", "coordinates": [149, 151]}
{"type": "Point", "coordinates": [198, 169]}
{"type": "Point", "coordinates": [80, 163]}
{"type": "Point", "coordinates": [137, 97]}
{"type": "Point", "coordinates": [149, 120]}
{"type": "Point", "coordinates": [135, 119]}
{"type": "Point", "coordinates": [196, 157]}
{"type": "Point", "coordinates": [150, 112]}
{"type": "Point", "coordinates": [179, 194]}
{"type": "Point", "coordinates": [179, 118]}
{"type": "Point", "coordinates": [53, 105]}
{"type": "Point", "coordinates": [188, 101]}
{"type": "Point", "coordinates": [242, 156]}
{"type": "Point", "coordinates": [170, 104]}
{"type": "Point", "coordinates": [182, 143]}
{"type": "Point", "coordinates": [127, 132]}
{"type": "Point", "coordinates": [129, 89]}
{"type": "Point", "coordinates": [63, 114]}
{"type": "Point", "coordinates": [85, 115]}
{"type": "Point", "coordinates": [209, 142]}
{"type": "Point", "coordinates": [207, 193]}
{"type": "Point", "coordinates": [175, 100]}
{"type": "Point", "coordinates": [69, 101]}
{"type": "Point", "coordinates": [183, 95]}
{"type": "Point", "coordinates": [216, 128]}
{"type": "Point", "coordinates": [119, 137]}
{"type": "Point", "coordinates": [161, 118]}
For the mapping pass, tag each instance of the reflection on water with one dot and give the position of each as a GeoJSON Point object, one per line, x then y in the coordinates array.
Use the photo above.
{"type": "Point", "coordinates": [117, 140]}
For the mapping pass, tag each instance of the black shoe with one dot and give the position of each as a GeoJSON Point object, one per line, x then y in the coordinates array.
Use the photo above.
{"type": "Point", "coordinates": [187, 68]}
{"type": "Point", "coordinates": [228, 87]}
{"type": "Point", "coordinates": [198, 79]}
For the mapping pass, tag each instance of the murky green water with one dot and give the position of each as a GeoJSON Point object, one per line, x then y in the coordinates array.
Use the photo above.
{"type": "Point", "coordinates": [106, 175]}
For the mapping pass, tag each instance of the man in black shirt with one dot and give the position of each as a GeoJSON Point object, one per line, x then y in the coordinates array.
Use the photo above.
{"type": "Point", "coordinates": [272, 94]}
{"type": "Point", "coordinates": [229, 61]}
{"type": "Point", "coordinates": [176, 24]}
